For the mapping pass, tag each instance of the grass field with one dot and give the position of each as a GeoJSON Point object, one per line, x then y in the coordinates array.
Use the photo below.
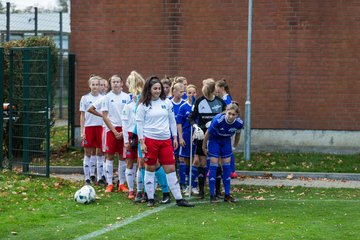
{"type": "Point", "coordinates": [40, 208]}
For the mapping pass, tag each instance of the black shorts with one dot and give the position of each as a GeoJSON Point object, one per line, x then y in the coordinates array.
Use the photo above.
{"type": "Point", "coordinates": [199, 151]}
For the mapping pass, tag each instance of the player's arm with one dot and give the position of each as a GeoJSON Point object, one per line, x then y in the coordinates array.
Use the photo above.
{"type": "Point", "coordinates": [205, 141]}
{"type": "Point", "coordinates": [237, 138]}
{"type": "Point", "coordinates": [92, 110]}
{"type": "Point", "coordinates": [181, 139]}
{"type": "Point", "coordinates": [109, 124]}
{"type": "Point", "coordinates": [82, 124]}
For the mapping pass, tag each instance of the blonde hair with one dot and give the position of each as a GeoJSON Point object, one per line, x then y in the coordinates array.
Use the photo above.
{"type": "Point", "coordinates": [93, 78]}
{"type": "Point", "coordinates": [177, 86]}
{"type": "Point", "coordinates": [208, 87]}
{"type": "Point", "coordinates": [189, 98]}
{"type": "Point", "coordinates": [166, 80]}
{"type": "Point", "coordinates": [135, 82]}
{"type": "Point", "coordinates": [179, 79]}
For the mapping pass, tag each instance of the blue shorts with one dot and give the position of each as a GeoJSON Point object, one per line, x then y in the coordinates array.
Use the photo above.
{"type": "Point", "coordinates": [219, 147]}
{"type": "Point", "coordinates": [185, 151]}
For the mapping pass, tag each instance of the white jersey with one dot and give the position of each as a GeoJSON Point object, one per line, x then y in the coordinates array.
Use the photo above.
{"type": "Point", "coordinates": [97, 105]}
{"type": "Point", "coordinates": [128, 117]}
{"type": "Point", "coordinates": [155, 120]}
{"type": "Point", "coordinates": [114, 104]}
{"type": "Point", "coordinates": [85, 103]}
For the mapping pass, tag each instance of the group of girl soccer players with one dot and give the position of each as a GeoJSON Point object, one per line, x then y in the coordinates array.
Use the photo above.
{"type": "Point", "coordinates": [155, 130]}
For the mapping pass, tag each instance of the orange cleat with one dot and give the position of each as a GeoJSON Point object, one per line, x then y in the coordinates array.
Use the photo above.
{"type": "Point", "coordinates": [109, 188]}
{"type": "Point", "coordinates": [123, 188]}
{"type": "Point", "coordinates": [233, 175]}
{"type": "Point", "coordinates": [131, 195]}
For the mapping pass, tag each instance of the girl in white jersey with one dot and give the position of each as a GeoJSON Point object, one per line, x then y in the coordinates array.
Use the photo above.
{"type": "Point", "coordinates": [111, 108]}
{"type": "Point", "coordinates": [95, 109]}
{"type": "Point", "coordinates": [155, 118]}
{"type": "Point", "coordinates": [91, 129]}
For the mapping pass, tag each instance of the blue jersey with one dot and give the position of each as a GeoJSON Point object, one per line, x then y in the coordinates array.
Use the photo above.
{"type": "Point", "coordinates": [227, 98]}
{"type": "Point", "coordinates": [220, 128]}
{"type": "Point", "coordinates": [182, 116]}
{"type": "Point", "coordinates": [176, 106]}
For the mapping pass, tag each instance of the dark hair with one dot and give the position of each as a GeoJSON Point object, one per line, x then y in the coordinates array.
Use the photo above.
{"type": "Point", "coordinates": [146, 92]}
{"type": "Point", "coordinates": [222, 83]}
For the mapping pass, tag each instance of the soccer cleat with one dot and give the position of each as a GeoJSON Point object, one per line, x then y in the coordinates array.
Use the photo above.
{"type": "Point", "coordinates": [166, 198]}
{"type": "Point", "coordinates": [139, 197]}
{"type": "Point", "coordinates": [87, 182]}
{"type": "Point", "coordinates": [233, 175]}
{"type": "Point", "coordinates": [131, 195]}
{"type": "Point", "coordinates": [195, 191]}
{"type": "Point", "coordinates": [201, 195]}
{"type": "Point", "coordinates": [122, 188]}
{"type": "Point", "coordinates": [184, 188]}
{"type": "Point", "coordinates": [184, 203]}
{"type": "Point", "coordinates": [213, 199]}
{"type": "Point", "coordinates": [219, 195]}
{"type": "Point", "coordinates": [109, 188]}
{"type": "Point", "coordinates": [151, 203]}
{"type": "Point", "coordinates": [93, 179]}
{"type": "Point", "coordinates": [101, 183]}
{"type": "Point", "coordinates": [230, 199]}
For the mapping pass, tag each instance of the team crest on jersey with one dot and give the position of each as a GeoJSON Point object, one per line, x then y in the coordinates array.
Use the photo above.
{"type": "Point", "coordinates": [123, 101]}
{"type": "Point", "coordinates": [216, 107]}
{"type": "Point", "coordinates": [112, 100]}
{"type": "Point", "coordinates": [163, 106]}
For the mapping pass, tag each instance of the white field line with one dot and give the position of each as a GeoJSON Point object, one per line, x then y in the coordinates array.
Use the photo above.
{"type": "Point", "coordinates": [163, 207]}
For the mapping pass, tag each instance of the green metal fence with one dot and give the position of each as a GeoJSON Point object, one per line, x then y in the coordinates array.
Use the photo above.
{"type": "Point", "coordinates": [29, 97]}
{"type": "Point", "coordinates": [2, 110]}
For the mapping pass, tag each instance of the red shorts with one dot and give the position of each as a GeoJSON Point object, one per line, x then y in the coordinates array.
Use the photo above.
{"type": "Point", "coordinates": [161, 150]}
{"type": "Point", "coordinates": [93, 135]}
{"type": "Point", "coordinates": [132, 153]}
{"type": "Point", "coordinates": [114, 145]}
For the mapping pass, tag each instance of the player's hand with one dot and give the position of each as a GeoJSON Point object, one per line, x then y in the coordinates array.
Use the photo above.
{"type": "Point", "coordinates": [198, 133]}
{"type": "Point", "coordinates": [143, 147]}
{"type": "Point", "coordinates": [127, 146]}
{"type": "Point", "coordinates": [182, 142]}
{"type": "Point", "coordinates": [175, 144]}
{"type": "Point", "coordinates": [205, 150]}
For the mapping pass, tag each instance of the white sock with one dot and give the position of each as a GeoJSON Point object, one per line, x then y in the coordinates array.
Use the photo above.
{"type": "Point", "coordinates": [135, 169]}
{"type": "Point", "coordinates": [109, 171]}
{"type": "Point", "coordinates": [86, 165]}
{"type": "Point", "coordinates": [173, 184]}
{"type": "Point", "coordinates": [104, 167]}
{"type": "Point", "coordinates": [121, 172]}
{"type": "Point", "coordinates": [92, 165]}
{"type": "Point", "coordinates": [100, 166]}
{"type": "Point", "coordinates": [139, 182]}
{"type": "Point", "coordinates": [129, 173]}
{"type": "Point", "coordinates": [149, 184]}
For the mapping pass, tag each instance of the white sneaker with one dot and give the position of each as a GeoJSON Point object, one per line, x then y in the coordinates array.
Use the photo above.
{"type": "Point", "coordinates": [186, 190]}
{"type": "Point", "coordinates": [195, 191]}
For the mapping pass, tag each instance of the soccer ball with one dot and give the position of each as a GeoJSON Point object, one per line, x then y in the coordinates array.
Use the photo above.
{"type": "Point", "coordinates": [85, 195]}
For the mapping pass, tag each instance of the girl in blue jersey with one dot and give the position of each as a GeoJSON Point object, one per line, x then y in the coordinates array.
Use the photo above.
{"type": "Point", "coordinates": [184, 133]}
{"type": "Point", "coordinates": [177, 91]}
{"type": "Point", "coordinates": [217, 144]}
{"type": "Point", "coordinates": [223, 91]}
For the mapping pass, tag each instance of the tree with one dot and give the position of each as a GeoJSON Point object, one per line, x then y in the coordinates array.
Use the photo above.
{"type": "Point", "coordinates": [64, 5]}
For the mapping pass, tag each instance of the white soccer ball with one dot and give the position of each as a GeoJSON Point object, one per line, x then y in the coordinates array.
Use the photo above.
{"type": "Point", "coordinates": [85, 195]}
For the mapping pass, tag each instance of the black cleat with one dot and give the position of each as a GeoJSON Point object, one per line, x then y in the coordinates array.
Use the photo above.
{"type": "Point", "coordinates": [87, 182]}
{"type": "Point", "coordinates": [138, 197]}
{"type": "Point", "coordinates": [144, 198]}
{"type": "Point", "coordinates": [101, 183]}
{"type": "Point", "coordinates": [230, 199]}
{"type": "Point", "coordinates": [166, 198]}
{"type": "Point", "coordinates": [151, 203]}
{"type": "Point", "coordinates": [201, 195]}
{"type": "Point", "coordinates": [213, 199]}
{"type": "Point", "coordinates": [184, 203]}
{"type": "Point", "coordinates": [93, 179]}
{"type": "Point", "coordinates": [219, 195]}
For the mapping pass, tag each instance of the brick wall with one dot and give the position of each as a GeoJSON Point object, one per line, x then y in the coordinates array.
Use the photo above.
{"type": "Point", "coordinates": [305, 56]}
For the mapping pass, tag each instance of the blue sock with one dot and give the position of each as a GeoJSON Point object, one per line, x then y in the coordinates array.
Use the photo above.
{"type": "Point", "coordinates": [187, 172]}
{"type": "Point", "coordinates": [161, 177]}
{"type": "Point", "coordinates": [142, 172]}
{"type": "Point", "coordinates": [194, 176]}
{"type": "Point", "coordinates": [182, 176]}
{"type": "Point", "coordinates": [226, 178]}
{"type": "Point", "coordinates": [212, 178]}
{"type": "Point", "coordinates": [232, 163]}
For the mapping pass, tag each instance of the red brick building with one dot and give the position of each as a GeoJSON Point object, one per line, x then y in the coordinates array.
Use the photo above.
{"type": "Point", "coordinates": [305, 58]}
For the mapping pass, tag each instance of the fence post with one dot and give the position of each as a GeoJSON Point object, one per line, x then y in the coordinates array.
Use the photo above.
{"type": "Point", "coordinates": [36, 21]}
{"type": "Point", "coordinates": [2, 110]}
{"type": "Point", "coordinates": [7, 21]}
{"type": "Point", "coordinates": [61, 68]}
{"type": "Point", "coordinates": [71, 101]}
